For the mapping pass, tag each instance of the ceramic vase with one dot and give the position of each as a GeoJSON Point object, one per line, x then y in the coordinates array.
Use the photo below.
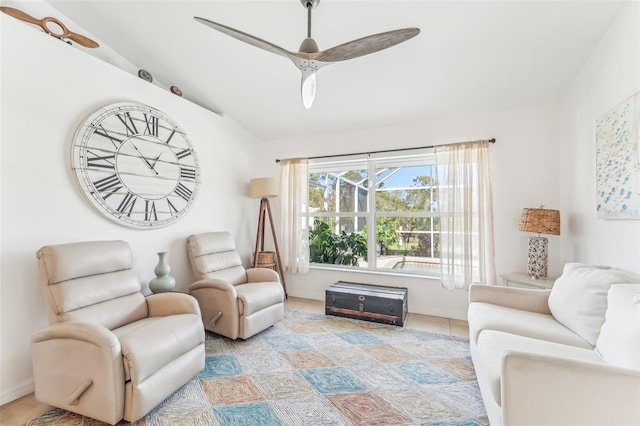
{"type": "Point", "coordinates": [163, 281]}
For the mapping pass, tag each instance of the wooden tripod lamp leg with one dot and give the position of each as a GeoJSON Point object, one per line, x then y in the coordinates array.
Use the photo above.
{"type": "Point", "coordinates": [275, 243]}
{"type": "Point", "coordinates": [260, 234]}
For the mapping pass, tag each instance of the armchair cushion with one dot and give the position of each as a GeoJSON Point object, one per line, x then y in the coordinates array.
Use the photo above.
{"type": "Point", "coordinates": [94, 262]}
{"type": "Point", "coordinates": [254, 297]}
{"type": "Point", "coordinates": [213, 255]}
{"type": "Point", "coordinates": [104, 290]}
{"type": "Point", "coordinates": [151, 343]}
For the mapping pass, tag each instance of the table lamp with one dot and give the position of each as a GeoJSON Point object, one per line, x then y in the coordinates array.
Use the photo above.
{"type": "Point", "coordinates": [542, 221]}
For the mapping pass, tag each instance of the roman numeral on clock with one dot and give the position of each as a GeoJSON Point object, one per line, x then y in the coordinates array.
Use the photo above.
{"type": "Point", "coordinates": [187, 172]}
{"type": "Point", "coordinates": [152, 125]}
{"type": "Point", "coordinates": [108, 186]}
{"type": "Point", "coordinates": [184, 153]}
{"type": "Point", "coordinates": [150, 210]}
{"type": "Point", "coordinates": [128, 122]}
{"type": "Point", "coordinates": [100, 130]}
{"type": "Point", "coordinates": [173, 132]}
{"type": "Point", "coordinates": [183, 192]}
{"type": "Point", "coordinates": [172, 208]}
{"type": "Point", "coordinates": [127, 204]}
{"type": "Point", "coordinates": [101, 161]}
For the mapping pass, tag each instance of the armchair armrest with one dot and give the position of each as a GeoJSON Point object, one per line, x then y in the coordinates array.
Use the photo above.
{"type": "Point", "coordinates": [511, 297]}
{"type": "Point", "coordinates": [82, 331]}
{"type": "Point", "coordinates": [165, 304]}
{"type": "Point", "coordinates": [78, 366]}
{"type": "Point", "coordinates": [255, 275]}
{"type": "Point", "coordinates": [218, 302]}
{"type": "Point", "coordinates": [215, 284]}
{"type": "Point", "coordinates": [541, 389]}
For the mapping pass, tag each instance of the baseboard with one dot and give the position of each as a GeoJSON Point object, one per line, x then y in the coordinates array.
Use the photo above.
{"type": "Point", "coordinates": [24, 388]}
{"type": "Point", "coordinates": [443, 313]}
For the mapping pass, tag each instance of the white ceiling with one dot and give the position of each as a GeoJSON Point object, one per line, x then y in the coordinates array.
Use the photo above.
{"type": "Point", "coordinates": [470, 56]}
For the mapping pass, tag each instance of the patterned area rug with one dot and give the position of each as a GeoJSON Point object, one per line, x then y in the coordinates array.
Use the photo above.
{"type": "Point", "coordinates": [323, 370]}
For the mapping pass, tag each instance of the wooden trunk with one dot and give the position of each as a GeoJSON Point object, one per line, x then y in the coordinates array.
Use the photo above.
{"type": "Point", "coordinates": [387, 305]}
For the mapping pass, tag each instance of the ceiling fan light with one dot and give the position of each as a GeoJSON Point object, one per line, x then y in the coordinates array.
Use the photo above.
{"type": "Point", "coordinates": [308, 89]}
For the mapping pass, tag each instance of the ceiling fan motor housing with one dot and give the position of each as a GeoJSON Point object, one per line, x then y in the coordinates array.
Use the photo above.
{"type": "Point", "coordinates": [308, 45]}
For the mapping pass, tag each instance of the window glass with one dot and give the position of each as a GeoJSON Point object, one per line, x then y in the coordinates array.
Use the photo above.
{"type": "Point", "coordinates": [338, 191]}
{"type": "Point", "coordinates": [398, 195]}
{"type": "Point", "coordinates": [337, 241]}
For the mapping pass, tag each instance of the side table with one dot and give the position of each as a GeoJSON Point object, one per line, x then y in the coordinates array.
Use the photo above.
{"type": "Point", "coordinates": [522, 280]}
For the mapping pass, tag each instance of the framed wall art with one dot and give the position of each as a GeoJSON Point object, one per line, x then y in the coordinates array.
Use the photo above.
{"type": "Point", "coordinates": [618, 161]}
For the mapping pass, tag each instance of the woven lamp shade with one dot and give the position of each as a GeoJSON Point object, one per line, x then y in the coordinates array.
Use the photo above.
{"type": "Point", "coordinates": [542, 221]}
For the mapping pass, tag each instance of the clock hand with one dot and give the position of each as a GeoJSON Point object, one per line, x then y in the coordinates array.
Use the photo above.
{"type": "Point", "coordinates": [144, 158]}
{"type": "Point", "coordinates": [155, 161]}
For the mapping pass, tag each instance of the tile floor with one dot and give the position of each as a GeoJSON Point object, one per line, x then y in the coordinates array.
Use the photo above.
{"type": "Point", "coordinates": [18, 412]}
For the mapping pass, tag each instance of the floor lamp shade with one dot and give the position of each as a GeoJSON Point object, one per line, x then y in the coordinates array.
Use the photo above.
{"type": "Point", "coordinates": [541, 221]}
{"type": "Point", "coordinates": [263, 188]}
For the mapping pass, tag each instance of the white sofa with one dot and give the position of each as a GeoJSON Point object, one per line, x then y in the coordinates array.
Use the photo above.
{"type": "Point", "coordinates": [565, 356]}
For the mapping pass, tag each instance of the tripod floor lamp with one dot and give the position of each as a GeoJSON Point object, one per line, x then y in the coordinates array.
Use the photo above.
{"type": "Point", "coordinates": [265, 188]}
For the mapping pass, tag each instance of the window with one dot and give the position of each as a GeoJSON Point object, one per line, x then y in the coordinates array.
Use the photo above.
{"type": "Point", "coordinates": [376, 214]}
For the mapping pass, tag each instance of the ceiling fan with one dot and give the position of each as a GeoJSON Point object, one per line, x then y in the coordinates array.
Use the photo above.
{"type": "Point", "coordinates": [309, 59]}
{"type": "Point", "coordinates": [45, 24]}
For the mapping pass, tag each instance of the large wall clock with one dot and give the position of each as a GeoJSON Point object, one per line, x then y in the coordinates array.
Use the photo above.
{"type": "Point", "coordinates": [135, 165]}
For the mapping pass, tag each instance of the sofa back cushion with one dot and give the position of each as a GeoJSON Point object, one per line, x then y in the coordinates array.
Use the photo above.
{"type": "Point", "coordinates": [619, 340]}
{"type": "Point", "coordinates": [578, 299]}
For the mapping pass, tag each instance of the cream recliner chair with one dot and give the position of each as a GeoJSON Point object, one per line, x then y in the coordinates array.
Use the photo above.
{"type": "Point", "coordinates": [110, 352]}
{"type": "Point", "coordinates": [234, 302]}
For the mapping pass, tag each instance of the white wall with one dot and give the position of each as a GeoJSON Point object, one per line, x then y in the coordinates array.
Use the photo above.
{"type": "Point", "coordinates": [610, 75]}
{"type": "Point", "coordinates": [48, 88]}
{"type": "Point", "coordinates": [524, 171]}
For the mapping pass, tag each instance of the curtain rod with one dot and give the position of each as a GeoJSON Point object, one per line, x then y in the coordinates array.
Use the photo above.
{"type": "Point", "coordinates": [493, 140]}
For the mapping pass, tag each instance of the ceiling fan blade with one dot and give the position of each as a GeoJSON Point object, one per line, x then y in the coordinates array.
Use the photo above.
{"type": "Point", "coordinates": [248, 38]}
{"type": "Point", "coordinates": [20, 15]}
{"type": "Point", "coordinates": [366, 45]}
{"type": "Point", "coordinates": [82, 40]}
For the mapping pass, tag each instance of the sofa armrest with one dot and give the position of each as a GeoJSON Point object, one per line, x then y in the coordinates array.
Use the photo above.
{"type": "Point", "coordinates": [165, 304]}
{"type": "Point", "coordinates": [511, 297]}
{"type": "Point", "coordinates": [255, 275]}
{"type": "Point", "coordinates": [542, 389]}
{"type": "Point", "coordinates": [78, 366]}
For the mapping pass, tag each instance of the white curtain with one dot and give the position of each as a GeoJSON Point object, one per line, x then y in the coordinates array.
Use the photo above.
{"type": "Point", "coordinates": [294, 196]}
{"type": "Point", "coordinates": [466, 222]}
